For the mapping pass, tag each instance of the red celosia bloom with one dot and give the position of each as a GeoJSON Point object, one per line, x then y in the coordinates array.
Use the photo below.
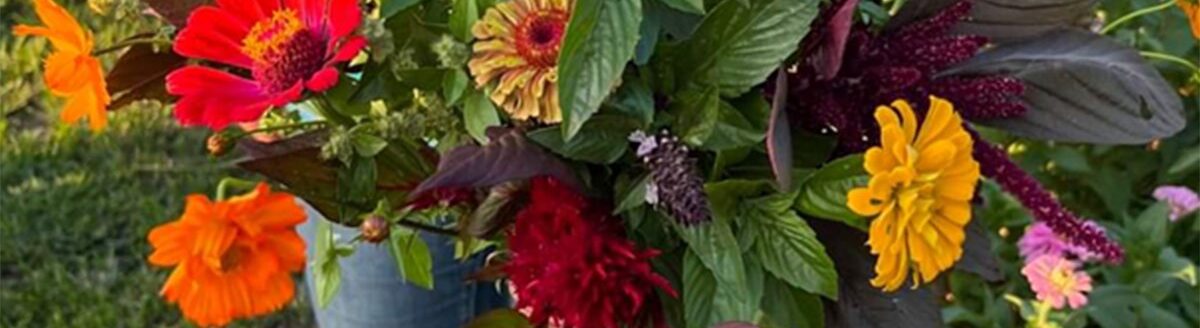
{"type": "Point", "coordinates": [572, 266]}
{"type": "Point", "coordinates": [285, 46]}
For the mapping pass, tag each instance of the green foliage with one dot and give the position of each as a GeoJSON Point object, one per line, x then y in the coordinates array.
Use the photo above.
{"type": "Point", "coordinates": [823, 195]}
{"type": "Point", "coordinates": [412, 255]}
{"type": "Point", "coordinates": [599, 41]}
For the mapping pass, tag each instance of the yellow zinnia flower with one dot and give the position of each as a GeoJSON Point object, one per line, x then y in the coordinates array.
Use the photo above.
{"type": "Point", "coordinates": [922, 180]}
{"type": "Point", "coordinates": [71, 71]}
{"type": "Point", "coordinates": [518, 45]}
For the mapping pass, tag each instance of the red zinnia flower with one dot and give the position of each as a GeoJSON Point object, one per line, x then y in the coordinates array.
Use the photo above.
{"type": "Point", "coordinates": [285, 46]}
{"type": "Point", "coordinates": [572, 266]}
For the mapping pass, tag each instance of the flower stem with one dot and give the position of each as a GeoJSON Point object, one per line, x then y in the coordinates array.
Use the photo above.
{"type": "Point", "coordinates": [300, 125]}
{"type": "Point", "coordinates": [1170, 58]}
{"type": "Point", "coordinates": [128, 43]}
{"type": "Point", "coordinates": [231, 182]}
{"type": "Point", "coordinates": [1043, 314]}
{"type": "Point", "coordinates": [1135, 14]}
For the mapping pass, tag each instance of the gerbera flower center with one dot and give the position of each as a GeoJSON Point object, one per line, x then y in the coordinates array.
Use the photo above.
{"type": "Point", "coordinates": [283, 50]}
{"type": "Point", "coordinates": [539, 36]}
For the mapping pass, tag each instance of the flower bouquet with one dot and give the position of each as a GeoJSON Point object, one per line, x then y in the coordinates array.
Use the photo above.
{"type": "Point", "coordinates": [630, 163]}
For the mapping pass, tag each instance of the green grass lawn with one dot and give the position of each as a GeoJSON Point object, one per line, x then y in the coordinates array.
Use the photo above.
{"type": "Point", "coordinates": [74, 212]}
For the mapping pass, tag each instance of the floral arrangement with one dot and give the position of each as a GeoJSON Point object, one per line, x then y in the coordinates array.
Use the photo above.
{"type": "Point", "coordinates": [633, 163]}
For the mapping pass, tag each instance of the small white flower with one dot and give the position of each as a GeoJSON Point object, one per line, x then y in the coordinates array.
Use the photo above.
{"type": "Point", "coordinates": [646, 144]}
{"type": "Point", "coordinates": [651, 193]}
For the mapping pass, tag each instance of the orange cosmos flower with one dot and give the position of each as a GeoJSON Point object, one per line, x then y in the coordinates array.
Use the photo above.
{"type": "Point", "coordinates": [1191, 8]}
{"type": "Point", "coordinates": [518, 45]}
{"type": "Point", "coordinates": [71, 71]}
{"type": "Point", "coordinates": [232, 258]}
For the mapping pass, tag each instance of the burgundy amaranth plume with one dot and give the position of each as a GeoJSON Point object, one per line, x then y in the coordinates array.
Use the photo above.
{"type": "Point", "coordinates": [904, 64]}
{"type": "Point", "coordinates": [876, 69]}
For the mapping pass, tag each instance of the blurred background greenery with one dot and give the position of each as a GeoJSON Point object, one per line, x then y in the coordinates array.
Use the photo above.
{"type": "Point", "coordinates": [75, 206]}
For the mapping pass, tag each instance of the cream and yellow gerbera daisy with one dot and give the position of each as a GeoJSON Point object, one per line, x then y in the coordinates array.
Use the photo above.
{"type": "Point", "coordinates": [922, 180]}
{"type": "Point", "coordinates": [518, 45]}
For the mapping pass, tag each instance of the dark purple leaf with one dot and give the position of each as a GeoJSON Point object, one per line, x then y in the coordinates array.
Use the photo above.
{"type": "Point", "coordinates": [1082, 87]}
{"type": "Point", "coordinates": [175, 11]}
{"type": "Point", "coordinates": [861, 305]}
{"type": "Point", "coordinates": [510, 156]}
{"type": "Point", "coordinates": [833, 45]}
{"type": "Point", "coordinates": [978, 257]}
{"type": "Point", "coordinates": [1010, 20]}
{"type": "Point", "coordinates": [779, 134]}
{"type": "Point", "coordinates": [296, 163]}
{"type": "Point", "coordinates": [141, 73]}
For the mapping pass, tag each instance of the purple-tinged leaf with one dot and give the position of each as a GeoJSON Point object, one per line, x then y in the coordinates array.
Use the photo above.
{"type": "Point", "coordinates": [978, 257]}
{"type": "Point", "coordinates": [779, 134]}
{"type": "Point", "coordinates": [510, 156]}
{"type": "Point", "coordinates": [1081, 87]}
{"type": "Point", "coordinates": [1011, 20]}
{"type": "Point", "coordinates": [861, 305]}
{"type": "Point", "coordinates": [175, 12]}
{"type": "Point", "coordinates": [296, 163]}
{"type": "Point", "coordinates": [833, 45]}
{"type": "Point", "coordinates": [141, 73]}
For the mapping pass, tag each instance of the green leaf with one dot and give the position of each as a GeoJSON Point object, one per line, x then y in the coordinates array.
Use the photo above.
{"type": "Point", "coordinates": [602, 140]}
{"type": "Point", "coordinates": [478, 114]}
{"type": "Point", "coordinates": [454, 85]}
{"type": "Point", "coordinates": [328, 273]}
{"type": "Point", "coordinates": [500, 318]}
{"type": "Point", "coordinates": [738, 46]}
{"type": "Point", "coordinates": [412, 257]}
{"type": "Point", "coordinates": [633, 99]}
{"type": "Point", "coordinates": [599, 40]}
{"type": "Point", "coordinates": [633, 194]}
{"type": "Point", "coordinates": [392, 7]}
{"type": "Point", "coordinates": [366, 144]}
{"type": "Point", "coordinates": [1151, 226]}
{"type": "Point", "coordinates": [696, 112]}
{"type": "Point", "coordinates": [688, 6]}
{"type": "Point", "coordinates": [717, 248]}
{"type": "Point", "coordinates": [699, 288]}
{"type": "Point", "coordinates": [785, 306]}
{"type": "Point", "coordinates": [1189, 160]}
{"type": "Point", "coordinates": [724, 196]}
{"type": "Point", "coordinates": [733, 130]}
{"type": "Point", "coordinates": [462, 18]}
{"type": "Point", "coordinates": [788, 247]}
{"type": "Point", "coordinates": [823, 195]}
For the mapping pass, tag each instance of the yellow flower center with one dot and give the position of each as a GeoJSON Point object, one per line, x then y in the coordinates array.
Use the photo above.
{"type": "Point", "coordinates": [1062, 278]}
{"type": "Point", "coordinates": [269, 35]}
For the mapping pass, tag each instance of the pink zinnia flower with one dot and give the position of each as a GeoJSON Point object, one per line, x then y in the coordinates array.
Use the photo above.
{"type": "Point", "coordinates": [1183, 201]}
{"type": "Point", "coordinates": [277, 49]}
{"type": "Point", "coordinates": [1056, 281]}
{"type": "Point", "coordinates": [1040, 240]}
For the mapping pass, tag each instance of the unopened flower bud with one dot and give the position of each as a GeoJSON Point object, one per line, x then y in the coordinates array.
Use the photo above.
{"type": "Point", "coordinates": [375, 228]}
{"type": "Point", "coordinates": [218, 144]}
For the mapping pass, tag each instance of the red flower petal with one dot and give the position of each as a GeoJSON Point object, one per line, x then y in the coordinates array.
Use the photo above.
{"type": "Point", "coordinates": [323, 80]}
{"type": "Point", "coordinates": [249, 11]}
{"type": "Point", "coordinates": [312, 12]}
{"type": "Point", "coordinates": [349, 49]}
{"type": "Point", "coordinates": [214, 98]}
{"type": "Point", "coordinates": [344, 17]}
{"type": "Point", "coordinates": [214, 34]}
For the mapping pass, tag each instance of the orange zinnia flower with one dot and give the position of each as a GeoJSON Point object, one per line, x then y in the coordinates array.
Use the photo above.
{"type": "Point", "coordinates": [518, 47]}
{"type": "Point", "coordinates": [71, 71]}
{"type": "Point", "coordinates": [1191, 8]}
{"type": "Point", "coordinates": [232, 258]}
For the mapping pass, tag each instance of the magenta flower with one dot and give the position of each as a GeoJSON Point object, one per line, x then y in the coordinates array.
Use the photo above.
{"type": "Point", "coordinates": [1056, 281]}
{"type": "Point", "coordinates": [1183, 201]}
{"type": "Point", "coordinates": [1039, 240]}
